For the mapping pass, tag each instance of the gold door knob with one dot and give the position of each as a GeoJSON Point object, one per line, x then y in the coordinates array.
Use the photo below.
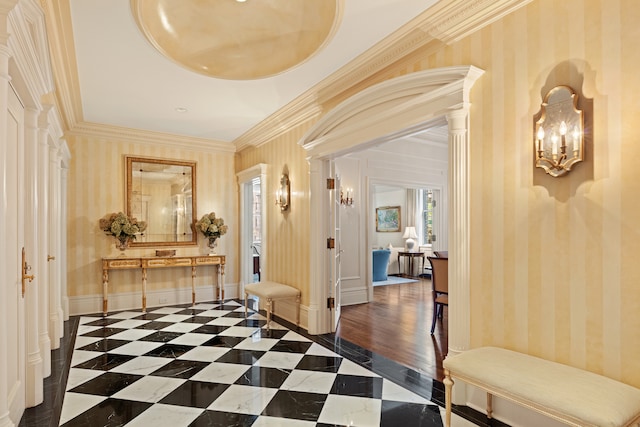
{"type": "Point", "coordinates": [50, 258]}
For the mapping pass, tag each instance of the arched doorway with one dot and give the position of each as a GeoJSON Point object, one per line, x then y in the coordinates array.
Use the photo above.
{"type": "Point", "coordinates": [392, 109]}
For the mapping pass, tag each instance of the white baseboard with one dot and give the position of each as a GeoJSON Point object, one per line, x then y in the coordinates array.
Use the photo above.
{"type": "Point", "coordinates": [313, 321]}
{"type": "Point", "coordinates": [91, 304]}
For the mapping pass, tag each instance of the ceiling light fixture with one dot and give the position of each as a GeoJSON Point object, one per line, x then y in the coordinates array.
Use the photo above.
{"type": "Point", "coordinates": [181, 110]}
{"type": "Point", "coordinates": [217, 39]}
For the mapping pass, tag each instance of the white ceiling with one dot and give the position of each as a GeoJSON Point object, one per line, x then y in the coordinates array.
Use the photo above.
{"type": "Point", "coordinates": [125, 82]}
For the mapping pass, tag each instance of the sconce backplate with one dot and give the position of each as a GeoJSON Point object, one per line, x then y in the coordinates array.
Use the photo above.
{"type": "Point", "coordinates": [284, 193]}
{"type": "Point", "coordinates": [558, 132]}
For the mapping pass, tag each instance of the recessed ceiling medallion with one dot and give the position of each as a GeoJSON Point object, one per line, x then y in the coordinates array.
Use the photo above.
{"type": "Point", "coordinates": [238, 40]}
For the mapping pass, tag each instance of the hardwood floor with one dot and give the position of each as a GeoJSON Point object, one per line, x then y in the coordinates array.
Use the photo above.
{"type": "Point", "coordinates": [396, 325]}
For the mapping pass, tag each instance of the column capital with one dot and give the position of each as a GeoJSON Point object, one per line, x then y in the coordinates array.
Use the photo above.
{"type": "Point", "coordinates": [457, 119]}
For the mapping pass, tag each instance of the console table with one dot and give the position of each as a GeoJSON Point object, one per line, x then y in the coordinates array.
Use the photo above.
{"type": "Point", "coordinates": [144, 263]}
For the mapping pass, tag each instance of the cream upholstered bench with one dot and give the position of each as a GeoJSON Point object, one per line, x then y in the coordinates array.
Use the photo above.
{"type": "Point", "coordinates": [271, 291]}
{"type": "Point", "coordinates": [571, 395]}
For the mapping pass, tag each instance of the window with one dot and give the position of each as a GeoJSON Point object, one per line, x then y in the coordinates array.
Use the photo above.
{"type": "Point", "coordinates": [428, 203]}
{"type": "Point", "coordinates": [257, 206]}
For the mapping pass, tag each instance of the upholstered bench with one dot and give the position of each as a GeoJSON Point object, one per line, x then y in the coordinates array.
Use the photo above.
{"type": "Point", "coordinates": [271, 291]}
{"type": "Point", "coordinates": [567, 394]}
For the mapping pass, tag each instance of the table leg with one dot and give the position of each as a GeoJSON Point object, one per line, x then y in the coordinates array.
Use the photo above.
{"type": "Point", "coordinates": [193, 285]}
{"type": "Point", "coordinates": [222, 281]}
{"type": "Point", "coordinates": [448, 389]}
{"type": "Point", "coordinates": [269, 308]}
{"type": "Point", "coordinates": [399, 272]}
{"type": "Point", "coordinates": [144, 290]}
{"type": "Point", "coordinates": [105, 292]}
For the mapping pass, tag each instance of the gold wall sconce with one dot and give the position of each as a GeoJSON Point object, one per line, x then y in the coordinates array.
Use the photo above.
{"type": "Point", "coordinates": [346, 199]}
{"type": "Point", "coordinates": [558, 130]}
{"type": "Point", "coordinates": [283, 195]}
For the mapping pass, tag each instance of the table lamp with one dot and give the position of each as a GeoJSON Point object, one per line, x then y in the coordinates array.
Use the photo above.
{"type": "Point", "coordinates": [410, 234]}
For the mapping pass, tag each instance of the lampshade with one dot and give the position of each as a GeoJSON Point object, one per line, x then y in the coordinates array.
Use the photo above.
{"type": "Point", "coordinates": [410, 233]}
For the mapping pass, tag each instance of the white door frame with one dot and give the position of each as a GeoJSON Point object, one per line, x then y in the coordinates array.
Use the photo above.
{"type": "Point", "coordinates": [245, 178]}
{"type": "Point", "coordinates": [392, 109]}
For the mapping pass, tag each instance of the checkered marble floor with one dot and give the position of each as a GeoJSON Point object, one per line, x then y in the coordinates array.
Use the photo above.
{"type": "Point", "coordinates": [209, 366]}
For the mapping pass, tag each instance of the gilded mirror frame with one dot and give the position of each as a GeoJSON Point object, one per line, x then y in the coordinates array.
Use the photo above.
{"type": "Point", "coordinates": [137, 203]}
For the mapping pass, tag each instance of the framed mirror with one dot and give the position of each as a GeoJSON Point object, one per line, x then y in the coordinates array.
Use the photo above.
{"type": "Point", "coordinates": [162, 193]}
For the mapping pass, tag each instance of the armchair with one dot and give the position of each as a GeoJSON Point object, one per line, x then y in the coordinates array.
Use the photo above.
{"type": "Point", "coordinates": [380, 264]}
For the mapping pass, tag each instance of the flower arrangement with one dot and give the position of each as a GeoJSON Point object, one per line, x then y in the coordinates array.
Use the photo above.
{"type": "Point", "coordinates": [121, 226]}
{"type": "Point", "coordinates": [211, 226]}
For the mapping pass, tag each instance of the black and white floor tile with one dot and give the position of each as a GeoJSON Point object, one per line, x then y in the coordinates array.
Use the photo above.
{"type": "Point", "coordinates": [209, 366]}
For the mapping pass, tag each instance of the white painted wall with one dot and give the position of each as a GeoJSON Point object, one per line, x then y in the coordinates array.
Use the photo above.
{"type": "Point", "coordinates": [383, 196]}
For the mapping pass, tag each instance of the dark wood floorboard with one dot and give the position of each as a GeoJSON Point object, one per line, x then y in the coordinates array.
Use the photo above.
{"type": "Point", "coordinates": [396, 325]}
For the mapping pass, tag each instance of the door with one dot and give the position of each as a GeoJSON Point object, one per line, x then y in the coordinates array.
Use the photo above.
{"type": "Point", "coordinates": [14, 240]}
{"type": "Point", "coordinates": [255, 233]}
{"type": "Point", "coordinates": [252, 217]}
{"type": "Point", "coordinates": [335, 251]}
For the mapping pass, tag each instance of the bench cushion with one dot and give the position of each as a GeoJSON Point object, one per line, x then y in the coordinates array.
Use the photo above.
{"type": "Point", "coordinates": [586, 398]}
{"type": "Point", "coordinates": [272, 290]}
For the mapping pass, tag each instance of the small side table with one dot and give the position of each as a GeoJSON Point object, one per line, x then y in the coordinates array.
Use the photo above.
{"type": "Point", "coordinates": [411, 256]}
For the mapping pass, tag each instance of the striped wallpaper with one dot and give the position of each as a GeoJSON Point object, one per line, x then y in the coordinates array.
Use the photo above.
{"type": "Point", "coordinates": [288, 243]}
{"type": "Point", "coordinates": [96, 187]}
{"type": "Point", "coordinates": [555, 261]}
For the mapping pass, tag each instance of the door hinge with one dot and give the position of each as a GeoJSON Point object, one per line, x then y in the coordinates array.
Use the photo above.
{"type": "Point", "coordinates": [331, 243]}
{"type": "Point", "coordinates": [331, 303]}
{"type": "Point", "coordinates": [331, 184]}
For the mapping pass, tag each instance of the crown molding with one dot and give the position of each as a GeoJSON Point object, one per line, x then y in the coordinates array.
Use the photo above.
{"type": "Point", "coordinates": [63, 58]}
{"type": "Point", "coordinates": [444, 23]}
{"type": "Point", "coordinates": [137, 136]}
{"type": "Point", "coordinates": [302, 109]}
{"type": "Point", "coordinates": [28, 45]}
{"type": "Point", "coordinates": [455, 19]}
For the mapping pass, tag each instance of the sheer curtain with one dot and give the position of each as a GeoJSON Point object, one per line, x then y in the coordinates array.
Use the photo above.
{"type": "Point", "coordinates": [412, 207]}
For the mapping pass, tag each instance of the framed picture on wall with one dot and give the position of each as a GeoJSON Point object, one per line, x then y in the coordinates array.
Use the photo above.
{"type": "Point", "coordinates": [388, 219]}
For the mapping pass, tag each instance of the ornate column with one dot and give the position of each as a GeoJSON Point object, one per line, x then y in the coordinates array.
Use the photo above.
{"type": "Point", "coordinates": [42, 156]}
{"type": "Point", "coordinates": [63, 169]}
{"type": "Point", "coordinates": [56, 314]}
{"type": "Point", "coordinates": [318, 313]}
{"type": "Point", "coordinates": [5, 54]}
{"type": "Point", "coordinates": [459, 231]}
{"type": "Point", "coordinates": [38, 346]}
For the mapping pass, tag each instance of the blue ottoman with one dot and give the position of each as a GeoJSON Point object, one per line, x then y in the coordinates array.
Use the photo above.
{"type": "Point", "coordinates": [380, 264]}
